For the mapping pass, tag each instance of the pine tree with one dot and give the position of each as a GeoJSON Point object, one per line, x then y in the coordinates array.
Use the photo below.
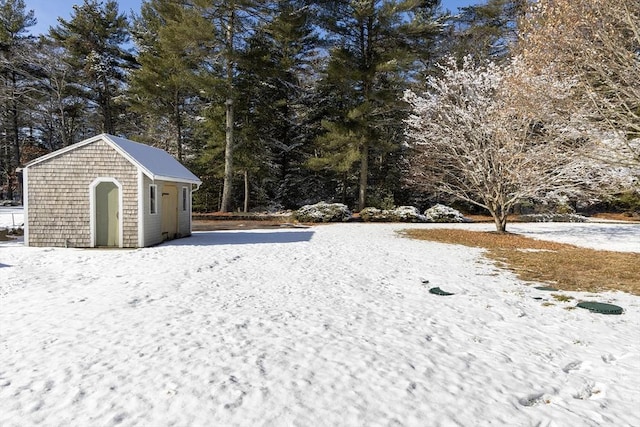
{"type": "Point", "coordinates": [16, 87]}
{"type": "Point", "coordinates": [234, 22]}
{"type": "Point", "coordinates": [94, 37]}
{"type": "Point", "coordinates": [376, 45]}
{"type": "Point", "coordinates": [172, 41]}
{"type": "Point", "coordinates": [274, 72]}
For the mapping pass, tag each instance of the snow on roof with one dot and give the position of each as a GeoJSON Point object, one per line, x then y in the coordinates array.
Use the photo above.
{"type": "Point", "coordinates": [157, 164]}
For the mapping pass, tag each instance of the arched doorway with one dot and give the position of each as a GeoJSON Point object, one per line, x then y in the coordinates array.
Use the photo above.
{"type": "Point", "coordinates": [106, 214]}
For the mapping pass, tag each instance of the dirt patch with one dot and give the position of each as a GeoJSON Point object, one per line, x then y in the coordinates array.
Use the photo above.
{"type": "Point", "coordinates": [565, 266]}
{"type": "Point", "coordinates": [608, 216]}
{"type": "Point", "coordinates": [214, 225]}
{"type": "Point", "coordinates": [617, 216]}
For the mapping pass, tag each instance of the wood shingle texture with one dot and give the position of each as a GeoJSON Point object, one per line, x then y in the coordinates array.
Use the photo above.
{"type": "Point", "coordinates": [64, 209]}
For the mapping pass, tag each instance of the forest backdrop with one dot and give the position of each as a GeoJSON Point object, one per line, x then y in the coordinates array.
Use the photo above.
{"type": "Point", "coordinates": [370, 103]}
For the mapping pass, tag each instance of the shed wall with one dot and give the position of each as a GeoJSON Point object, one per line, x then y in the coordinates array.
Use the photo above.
{"type": "Point", "coordinates": [59, 196]}
{"type": "Point", "coordinates": [184, 211]}
{"type": "Point", "coordinates": [152, 222]}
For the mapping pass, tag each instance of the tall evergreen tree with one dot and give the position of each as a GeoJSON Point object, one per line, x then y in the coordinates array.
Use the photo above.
{"type": "Point", "coordinates": [274, 74]}
{"type": "Point", "coordinates": [95, 37]}
{"type": "Point", "coordinates": [375, 48]}
{"type": "Point", "coordinates": [172, 41]}
{"type": "Point", "coordinates": [234, 21]}
{"type": "Point", "coordinates": [16, 87]}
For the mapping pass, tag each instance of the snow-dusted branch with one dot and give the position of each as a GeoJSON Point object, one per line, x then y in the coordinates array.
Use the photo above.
{"type": "Point", "coordinates": [495, 135]}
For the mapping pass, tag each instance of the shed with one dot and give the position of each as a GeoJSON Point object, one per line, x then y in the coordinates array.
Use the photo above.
{"type": "Point", "coordinates": [107, 191]}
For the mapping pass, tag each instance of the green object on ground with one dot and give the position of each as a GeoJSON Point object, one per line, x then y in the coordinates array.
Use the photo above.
{"type": "Point", "coordinates": [438, 291]}
{"type": "Point", "coordinates": [600, 307]}
{"type": "Point", "coordinates": [545, 288]}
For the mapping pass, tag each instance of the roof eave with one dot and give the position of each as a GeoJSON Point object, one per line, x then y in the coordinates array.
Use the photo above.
{"type": "Point", "coordinates": [174, 179]}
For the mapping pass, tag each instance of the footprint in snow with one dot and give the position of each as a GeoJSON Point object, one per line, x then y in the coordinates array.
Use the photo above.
{"type": "Point", "coordinates": [533, 399]}
{"type": "Point", "coordinates": [608, 358]}
{"type": "Point", "coordinates": [573, 366]}
{"type": "Point", "coordinates": [589, 391]}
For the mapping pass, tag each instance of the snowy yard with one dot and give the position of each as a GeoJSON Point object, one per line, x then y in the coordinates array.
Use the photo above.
{"type": "Point", "coordinates": [325, 326]}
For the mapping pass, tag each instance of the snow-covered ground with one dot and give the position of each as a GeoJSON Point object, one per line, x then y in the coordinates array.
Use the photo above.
{"type": "Point", "coordinates": [325, 326]}
{"type": "Point", "coordinates": [11, 217]}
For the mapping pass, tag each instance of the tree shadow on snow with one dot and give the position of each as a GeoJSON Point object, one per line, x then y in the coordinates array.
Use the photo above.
{"type": "Point", "coordinates": [210, 238]}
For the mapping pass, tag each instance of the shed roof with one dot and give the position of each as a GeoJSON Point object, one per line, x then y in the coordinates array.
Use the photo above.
{"type": "Point", "coordinates": [157, 164]}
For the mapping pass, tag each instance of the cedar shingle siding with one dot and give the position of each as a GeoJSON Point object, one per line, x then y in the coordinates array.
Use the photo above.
{"type": "Point", "coordinates": [59, 196]}
{"type": "Point", "coordinates": [62, 191]}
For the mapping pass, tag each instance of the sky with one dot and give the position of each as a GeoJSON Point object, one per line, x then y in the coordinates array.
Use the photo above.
{"type": "Point", "coordinates": [48, 11]}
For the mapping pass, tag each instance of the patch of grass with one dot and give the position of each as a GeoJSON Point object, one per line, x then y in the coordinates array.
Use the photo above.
{"type": "Point", "coordinates": [561, 298]}
{"type": "Point", "coordinates": [566, 267]}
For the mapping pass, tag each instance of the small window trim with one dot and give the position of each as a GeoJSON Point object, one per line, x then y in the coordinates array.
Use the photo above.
{"type": "Point", "coordinates": [153, 199]}
{"type": "Point", "coordinates": [185, 199]}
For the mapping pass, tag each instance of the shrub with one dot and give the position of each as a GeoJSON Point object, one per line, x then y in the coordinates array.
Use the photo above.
{"type": "Point", "coordinates": [442, 213]}
{"type": "Point", "coordinates": [408, 214]}
{"type": "Point", "coordinates": [323, 212]}
{"type": "Point", "coordinates": [374, 215]}
{"type": "Point", "coordinates": [628, 202]}
{"type": "Point", "coordinates": [551, 217]}
{"type": "Point", "coordinates": [399, 214]}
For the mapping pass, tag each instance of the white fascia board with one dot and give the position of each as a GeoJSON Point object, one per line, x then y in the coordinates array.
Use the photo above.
{"type": "Point", "coordinates": [172, 179]}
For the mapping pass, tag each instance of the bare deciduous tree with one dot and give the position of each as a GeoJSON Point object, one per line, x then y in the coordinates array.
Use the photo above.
{"type": "Point", "coordinates": [495, 135]}
{"type": "Point", "coordinates": [598, 42]}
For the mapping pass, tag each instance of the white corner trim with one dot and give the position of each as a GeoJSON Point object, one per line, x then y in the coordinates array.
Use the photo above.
{"type": "Point", "coordinates": [25, 205]}
{"type": "Point", "coordinates": [141, 211]}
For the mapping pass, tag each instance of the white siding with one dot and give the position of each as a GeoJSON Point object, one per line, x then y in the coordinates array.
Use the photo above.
{"type": "Point", "coordinates": [184, 215]}
{"type": "Point", "coordinates": [152, 223]}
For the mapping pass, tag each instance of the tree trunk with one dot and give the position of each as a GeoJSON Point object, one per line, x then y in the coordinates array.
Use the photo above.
{"type": "Point", "coordinates": [228, 159]}
{"type": "Point", "coordinates": [228, 149]}
{"type": "Point", "coordinates": [345, 182]}
{"type": "Point", "coordinates": [14, 162]}
{"type": "Point", "coordinates": [364, 173]}
{"type": "Point", "coordinates": [105, 103]}
{"type": "Point", "coordinates": [246, 191]}
{"type": "Point", "coordinates": [499, 215]}
{"type": "Point", "coordinates": [178, 121]}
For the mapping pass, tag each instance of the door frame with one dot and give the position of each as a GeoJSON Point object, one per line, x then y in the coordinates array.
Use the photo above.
{"type": "Point", "coordinates": [92, 209]}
